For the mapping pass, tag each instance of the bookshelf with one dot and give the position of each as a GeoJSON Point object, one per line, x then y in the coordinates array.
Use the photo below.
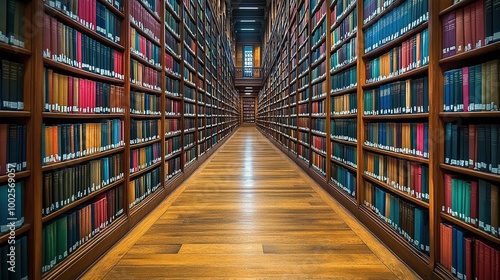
{"type": "Point", "coordinates": [248, 109]}
{"type": "Point", "coordinates": [120, 94]}
{"type": "Point", "coordinates": [404, 123]}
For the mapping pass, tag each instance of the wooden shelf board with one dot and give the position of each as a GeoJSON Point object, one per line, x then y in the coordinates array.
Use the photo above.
{"type": "Point", "coordinates": [144, 144]}
{"type": "Point", "coordinates": [470, 228]}
{"type": "Point", "coordinates": [64, 164]}
{"type": "Point", "coordinates": [50, 115]}
{"type": "Point", "coordinates": [80, 72]}
{"type": "Point", "coordinates": [353, 169]}
{"type": "Point", "coordinates": [488, 49]}
{"type": "Point", "coordinates": [24, 228]}
{"type": "Point", "coordinates": [145, 170]}
{"type": "Point", "coordinates": [462, 115]}
{"type": "Point", "coordinates": [397, 116]}
{"type": "Point", "coordinates": [144, 89]}
{"type": "Point", "coordinates": [398, 155]}
{"type": "Point", "coordinates": [11, 49]}
{"type": "Point", "coordinates": [15, 114]}
{"type": "Point", "coordinates": [471, 172]}
{"type": "Point", "coordinates": [409, 74]}
{"type": "Point", "coordinates": [397, 191]}
{"type": "Point", "coordinates": [355, 144]}
{"type": "Point", "coordinates": [19, 175]}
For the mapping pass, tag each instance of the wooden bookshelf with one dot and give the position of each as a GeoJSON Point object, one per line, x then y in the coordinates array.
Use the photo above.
{"type": "Point", "coordinates": [287, 129]}
{"type": "Point", "coordinates": [215, 118]}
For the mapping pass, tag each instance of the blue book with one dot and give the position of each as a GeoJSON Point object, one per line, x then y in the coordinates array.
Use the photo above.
{"type": "Point", "coordinates": [454, 251]}
{"type": "Point", "coordinates": [460, 254]}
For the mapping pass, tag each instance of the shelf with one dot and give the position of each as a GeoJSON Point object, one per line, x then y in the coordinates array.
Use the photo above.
{"type": "Point", "coordinates": [145, 62]}
{"type": "Point", "coordinates": [462, 115]}
{"type": "Point", "coordinates": [355, 144]}
{"type": "Point", "coordinates": [76, 25]}
{"type": "Point", "coordinates": [346, 116]}
{"type": "Point", "coordinates": [396, 42]}
{"type": "Point", "coordinates": [173, 155]}
{"type": "Point", "coordinates": [80, 201]}
{"type": "Point", "coordinates": [144, 144]}
{"type": "Point", "coordinates": [112, 8]}
{"type": "Point", "coordinates": [49, 115]}
{"type": "Point", "coordinates": [492, 48]}
{"type": "Point", "coordinates": [178, 133]}
{"type": "Point", "coordinates": [79, 72]}
{"type": "Point", "coordinates": [145, 170]}
{"type": "Point", "coordinates": [409, 74]}
{"type": "Point", "coordinates": [345, 91]}
{"type": "Point", "coordinates": [397, 155]}
{"type": "Point", "coordinates": [64, 164]}
{"type": "Point", "coordinates": [344, 165]}
{"type": "Point", "coordinates": [15, 114]}
{"type": "Point", "coordinates": [155, 16]}
{"type": "Point", "coordinates": [144, 34]}
{"type": "Point", "coordinates": [344, 67]}
{"type": "Point", "coordinates": [5, 237]}
{"type": "Point", "coordinates": [11, 49]}
{"type": "Point", "coordinates": [470, 228]}
{"type": "Point", "coordinates": [396, 116]}
{"type": "Point", "coordinates": [343, 42]}
{"type": "Point", "coordinates": [471, 172]}
{"type": "Point", "coordinates": [144, 89]}
{"type": "Point", "coordinates": [19, 176]}
{"type": "Point", "coordinates": [392, 189]}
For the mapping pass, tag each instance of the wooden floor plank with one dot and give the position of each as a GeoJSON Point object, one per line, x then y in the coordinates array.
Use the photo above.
{"type": "Point", "coordinates": [248, 214]}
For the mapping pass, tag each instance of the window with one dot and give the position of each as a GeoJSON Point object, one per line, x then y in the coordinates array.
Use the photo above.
{"type": "Point", "coordinates": [248, 61]}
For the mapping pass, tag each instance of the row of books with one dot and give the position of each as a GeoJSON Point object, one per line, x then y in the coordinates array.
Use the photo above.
{"type": "Point", "coordinates": [410, 221]}
{"type": "Point", "coordinates": [318, 162]}
{"type": "Point", "coordinates": [189, 110]}
{"type": "Point", "coordinates": [339, 9]}
{"type": "Point", "coordinates": [345, 153]}
{"type": "Point", "coordinates": [172, 126]}
{"type": "Point", "coordinates": [11, 23]}
{"type": "Point", "coordinates": [13, 148]}
{"type": "Point", "coordinates": [172, 44]}
{"type": "Point", "coordinates": [344, 129]}
{"type": "Point", "coordinates": [172, 167]}
{"type": "Point", "coordinates": [344, 80]}
{"type": "Point", "coordinates": [318, 125]}
{"type": "Point", "coordinates": [143, 186]}
{"type": "Point", "coordinates": [189, 156]}
{"type": "Point", "coordinates": [403, 175]}
{"type": "Point", "coordinates": [319, 143]}
{"type": "Point", "coordinates": [319, 33]}
{"type": "Point", "coordinates": [404, 138]}
{"type": "Point", "coordinates": [173, 107]}
{"type": "Point", "coordinates": [473, 146]}
{"type": "Point", "coordinates": [471, 27]}
{"type": "Point", "coordinates": [318, 108]}
{"type": "Point", "coordinates": [343, 178]}
{"type": "Point", "coordinates": [317, 53]}
{"type": "Point", "coordinates": [12, 213]}
{"type": "Point", "coordinates": [171, 23]}
{"type": "Point", "coordinates": [189, 140]}
{"type": "Point", "coordinates": [473, 201]}
{"type": "Point", "coordinates": [467, 257]}
{"type": "Point", "coordinates": [153, 5]}
{"type": "Point", "coordinates": [412, 54]}
{"type": "Point", "coordinates": [61, 187]}
{"type": "Point", "coordinates": [144, 104]}
{"type": "Point", "coordinates": [172, 66]}
{"type": "Point", "coordinates": [372, 8]}
{"type": "Point", "coordinates": [11, 85]}
{"type": "Point", "coordinates": [172, 86]}
{"type": "Point", "coordinates": [319, 90]}
{"type": "Point", "coordinates": [144, 76]}
{"type": "Point", "coordinates": [394, 24]}
{"type": "Point", "coordinates": [141, 17]}
{"type": "Point", "coordinates": [142, 47]}
{"type": "Point", "coordinates": [346, 104]}
{"type": "Point", "coordinates": [344, 55]}
{"type": "Point", "coordinates": [142, 131]}
{"type": "Point", "coordinates": [403, 97]}
{"type": "Point", "coordinates": [66, 45]}
{"type": "Point", "coordinates": [318, 72]}
{"type": "Point", "coordinates": [173, 145]}
{"type": "Point", "coordinates": [473, 88]}
{"type": "Point", "coordinates": [63, 142]}
{"type": "Point", "coordinates": [65, 234]}
{"type": "Point", "coordinates": [345, 29]}
{"type": "Point", "coordinates": [91, 14]}
{"type": "Point", "coordinates": [72, 95]}
{"type": "Point", "coordinates": [144, 157]}
{"type": "Point", "coordinates": [17, 269]}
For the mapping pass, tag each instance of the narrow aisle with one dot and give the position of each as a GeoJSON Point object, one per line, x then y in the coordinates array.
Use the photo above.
{"type": "Point", "coordinates": [247, 213]}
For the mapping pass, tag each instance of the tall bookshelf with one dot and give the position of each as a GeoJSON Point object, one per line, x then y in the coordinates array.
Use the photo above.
{"type": "Point", "coordinates": [248, 109]}
{"type": "Point", "coordinates": [400, 122]}
{"type": "Point", "coordinates": [127, 112]}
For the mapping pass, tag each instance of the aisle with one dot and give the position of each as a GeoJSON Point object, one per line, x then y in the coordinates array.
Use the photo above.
{"type": "Point", "coordinates": [248, 213]}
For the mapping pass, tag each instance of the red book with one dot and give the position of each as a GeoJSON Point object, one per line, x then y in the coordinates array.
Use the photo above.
{"type": "Point", "coordinates": [473, 23]}
{"type": "Point", "coordinates": [465, 88]}
{"type": "Point", "coordinates": [447, 193]}
{"type": "Point", "coordinates": [468, 258]}
{"type": "Point", "coordinates": [480, 24]}
{"type": "Point", "coordinates": [487, 261]}
{"type": "Point", "coordinates": [459, 21]}
{"type": "Point", "coordinates": [94, 14]}
{"type": "Point", "coordinates": [448, 246]}
{"type": "Point", "coordinates": [474, 203]}
{"type": "Point", "coordinates": [3, 148]}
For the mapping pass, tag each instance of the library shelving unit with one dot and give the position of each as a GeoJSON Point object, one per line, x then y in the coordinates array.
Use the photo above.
{"type": "Point", "coordinates": [106, 107]}
{"type": "Point", "coordinates": [403, 131]}
{"type": "Point", "coordinates": [248, 109]}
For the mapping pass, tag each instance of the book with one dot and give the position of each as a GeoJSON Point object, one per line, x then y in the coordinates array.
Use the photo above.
{"type": "Point", "coordinates": [11, 217]}
{"type": "Point", "coordinates": [13, 147]}
{"type": "Point", "coordinates": [142, 131]}
{"type": "Point", "coordinates": [142, 186]}
{"type": "Point", "coordinates": [144, 157]}
{"type": "Point", "coordinates": [11, 85]}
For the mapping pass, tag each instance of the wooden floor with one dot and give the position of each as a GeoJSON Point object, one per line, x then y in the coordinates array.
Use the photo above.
{"type": "Point", "coordinates": [249, 213]}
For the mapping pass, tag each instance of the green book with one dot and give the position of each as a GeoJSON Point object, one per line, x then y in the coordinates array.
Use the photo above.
{"type": "Point", "coordinates": [467, 201]}
{"type": "Point", "coordinates": [5, 84]}
{"type": "Point", "coordinates": [62, 238]}
{"type": "Point", "coordinates": [454, 197]}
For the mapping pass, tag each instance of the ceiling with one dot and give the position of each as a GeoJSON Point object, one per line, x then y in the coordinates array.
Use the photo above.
{"type": "Point", "coordinates": [239, 16]}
